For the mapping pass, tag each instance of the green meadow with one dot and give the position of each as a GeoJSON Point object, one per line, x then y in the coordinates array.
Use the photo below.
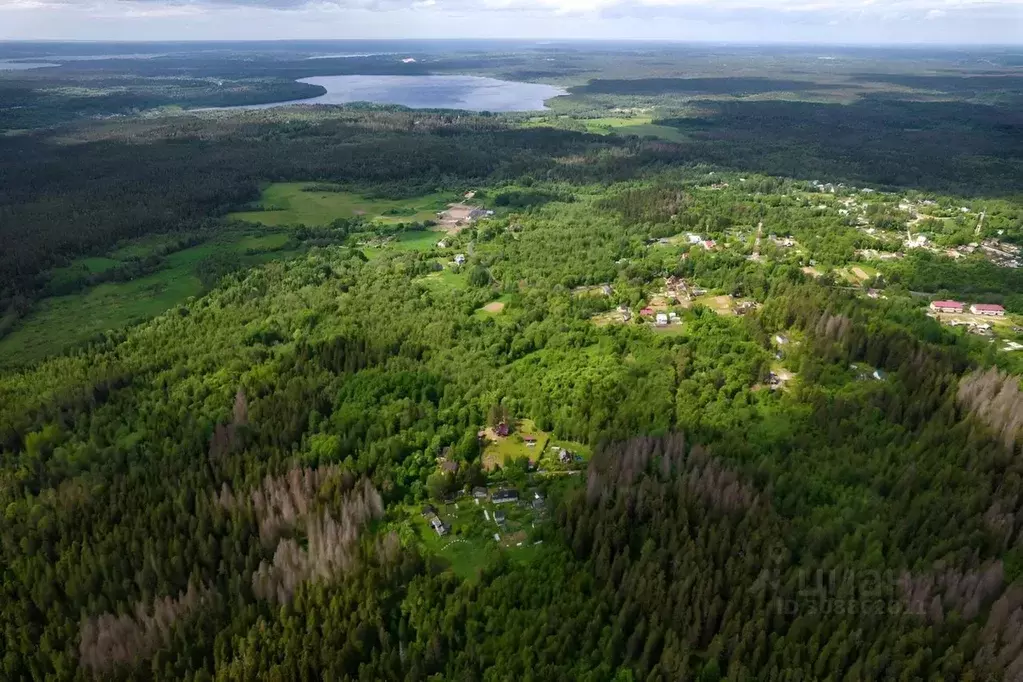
{"type": "Point", "coordinates": [60, 322]}
{"type": "Point", "coordinates": [640, 125]}
{"type": "Point", "coordinates": [293, 203]}
{"type": "Point", "coordinates": [633, 125]}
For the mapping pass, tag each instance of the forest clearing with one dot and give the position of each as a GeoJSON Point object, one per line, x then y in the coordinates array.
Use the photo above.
{"type": "Point", "coordinates": [310, 203]}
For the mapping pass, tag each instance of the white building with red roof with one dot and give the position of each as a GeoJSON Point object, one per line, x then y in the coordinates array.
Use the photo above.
{"type": "Point", "coordinates": [947, 306]}
{"type": "Point", "coordinates": [987, 309]}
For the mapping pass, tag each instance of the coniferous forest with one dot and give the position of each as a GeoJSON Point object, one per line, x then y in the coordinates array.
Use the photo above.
{"type": "Point", "coordinates": [369, 393]}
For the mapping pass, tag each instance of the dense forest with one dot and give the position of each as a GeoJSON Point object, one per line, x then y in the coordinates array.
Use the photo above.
{"type": "Point", "coordinates": [650, 410]}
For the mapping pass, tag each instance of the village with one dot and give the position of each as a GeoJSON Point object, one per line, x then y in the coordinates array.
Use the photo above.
{"type": "Point", "coordinates": [520, 465]}
{"type": "Point", "coordinates": [981, 319]}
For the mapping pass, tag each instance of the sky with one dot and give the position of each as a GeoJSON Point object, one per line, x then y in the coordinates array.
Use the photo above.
{"type": "Point", "coordinates": [871, 22]}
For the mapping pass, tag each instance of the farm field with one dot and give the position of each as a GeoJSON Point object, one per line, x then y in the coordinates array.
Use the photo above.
{"type": "Point", "coordinates": [291, 203]}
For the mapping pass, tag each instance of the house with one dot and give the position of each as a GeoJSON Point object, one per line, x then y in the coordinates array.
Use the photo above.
{"type": "Point", "coordinates": [429, 511]}
{"type": "Point", "coordinates": [442, 244]}
{"type": "Point", "coordinates": [459, 258]}
{"type": "Point", "coordinates": [479, 492]}
{"type": "Point", "coordinates": [606, 289]}
{"type": "Point", "coordinates": [439, 526]}
{"type": "Point", "coordinates": [709, 244]}
{"type": "Point", "coordinates": [529, 441]}
{"type": "Point", "coordinates": [694, 238]}
{"type": "Point", "coordinates": [672, 318]}
{"type": "Point", "coordinates": [564, 456]}
{"type": "Point", "coordinates": [647, 311]}
{"type": "Point", "coordinates": [987, 309]}
{"type": "Point", "coordinates": [502, 429]}
{"type": "Point", "coordinates": [744, 307]}
{"type": "Point", "coordinates": [502, 495]}
{"type": "Point", "coordinates": [781, 339]}
{"type": "Point", "coordinates": [662, 319]}
{"type": "Point", "coordinates": [499, 517]}
{"type": "Point", "coordinates": [879, 374]}
{"type": "Point", "coordinates": [449, 466]}
{"type": "Point", "coordinates": [947, 306]}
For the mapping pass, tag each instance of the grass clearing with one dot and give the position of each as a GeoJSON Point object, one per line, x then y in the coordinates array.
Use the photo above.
{"type": "Point", "coordinates": [470, 544]}
{"type": "Point", "coordinates": [414, 240]}
{"type": "Point", "coordinates": [495, 307]}
{"type": "Point", "coordinates": [722, 305]}
{"type": "Point", "coordinates": [498, 451]}
{"type": "Point", "coordinates": [268, 242]}
{"type": "Point", "coordinates": [445, 280]}
{"type": "Point", "coordinates": [60, 322]}
{"type": "Point", "coordinates": [289, 203]}
{"type": "Point", "coordinates": [65, 320]}
{"type": "Point", "coordinates": [145, 246]}
{"type": "Point", "coordinates": [639, 125]}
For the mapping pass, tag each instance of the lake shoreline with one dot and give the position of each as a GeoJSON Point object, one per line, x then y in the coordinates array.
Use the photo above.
{"type": "Point", "coordinates": [456, 92]}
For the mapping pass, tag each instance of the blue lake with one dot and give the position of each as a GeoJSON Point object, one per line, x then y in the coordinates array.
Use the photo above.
{"type": "Point", "coordinates": [472, 93]}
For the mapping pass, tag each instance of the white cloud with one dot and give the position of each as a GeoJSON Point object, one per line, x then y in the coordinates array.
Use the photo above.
{"type": "Point", "coordinates": [873, 21]}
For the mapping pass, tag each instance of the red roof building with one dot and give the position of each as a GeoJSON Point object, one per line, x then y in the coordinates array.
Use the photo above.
{"type": "Point", "coordinates": [947, 306]}
{"type": "Point", "coordinates": [987, 309]}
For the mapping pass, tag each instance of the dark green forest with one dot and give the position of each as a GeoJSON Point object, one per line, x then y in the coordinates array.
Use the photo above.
{"type": "Point", "coordinates": [370, 444]}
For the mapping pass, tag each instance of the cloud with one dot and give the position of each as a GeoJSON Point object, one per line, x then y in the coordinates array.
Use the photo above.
{"type": "Point", "coordinates": [873, 21]}
{"type": "Point", "coordinates": [931, 9]}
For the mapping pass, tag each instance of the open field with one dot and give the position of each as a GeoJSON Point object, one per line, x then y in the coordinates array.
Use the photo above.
{"type": "Point", "coordinates": [417, 240]}
{"type": "Point", "coordinates": [64, 320]}
{"type": "Point", "coordinates": [495, 307]}
{"type": "Point", "coordinates": [59, 322]}
{"type": "Point", "coordinates": [635, 125]}
{"type": "Point", "coordinates": [857, 273]}
{"type": "Point", "coordinates": [640, 125]}
{"type": "Point", "coordinates": [289, 203]}
{"type": "Point", "coordinates": [722, 305]}
{"type": "Point", "coordinates": [444, 280]}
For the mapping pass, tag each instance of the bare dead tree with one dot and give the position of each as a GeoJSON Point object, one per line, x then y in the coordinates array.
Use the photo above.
{"type": "Point", "coordinates": [996, 400]}
{"type": "Point", "coordinates": [109, 640]}
{"type": "Point", "coordinates": [333, 545]}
